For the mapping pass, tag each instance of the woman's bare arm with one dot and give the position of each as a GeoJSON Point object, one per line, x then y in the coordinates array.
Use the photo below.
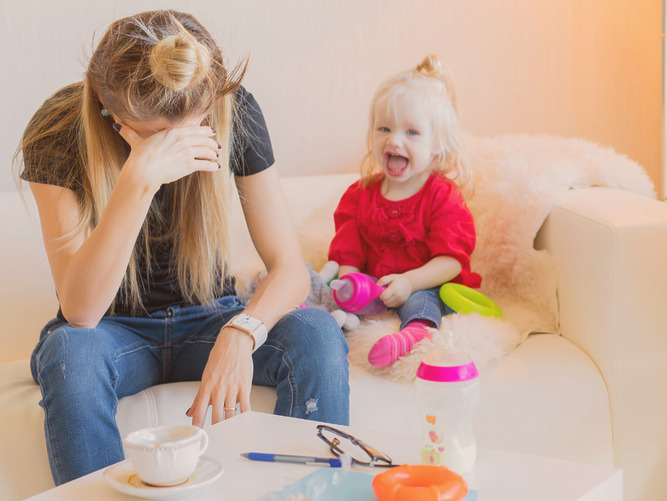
{"type": "Point", "coordinates": [88, 273]}
{"type": "Point", "coordinates": [227, 378]}
{"type": "Point", "coordinates": [274, 236]}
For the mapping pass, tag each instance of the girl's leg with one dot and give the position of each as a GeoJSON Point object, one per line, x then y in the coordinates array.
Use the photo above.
{"type": "Point", "coordinates": [305, 358]}
{"type": "Point", "coordinates": [422, 309]}
{"type": "Point", "coordinates": [391, 347]}
{"type": "Point", "coordinates": [424, 305]}
{"type": "Point", "coordinates": [82, 373]}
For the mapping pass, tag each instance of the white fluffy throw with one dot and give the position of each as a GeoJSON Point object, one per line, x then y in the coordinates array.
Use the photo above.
{"type": "Point", "coordinates": [518, 179]}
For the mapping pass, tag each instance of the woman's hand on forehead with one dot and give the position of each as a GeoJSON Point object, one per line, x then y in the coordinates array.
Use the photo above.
{"type": "Point", "coordinates": [163, 156]}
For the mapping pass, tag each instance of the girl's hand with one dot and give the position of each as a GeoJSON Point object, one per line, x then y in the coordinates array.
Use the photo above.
{"type": "Point", "coordinates": [170, 154]}
{"type": "Point", "coordinates": [227, 378]}
{"type": "Point", "coordinates": [398, 289]}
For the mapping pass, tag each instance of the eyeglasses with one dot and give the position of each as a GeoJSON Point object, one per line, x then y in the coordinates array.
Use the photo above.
{"type": "Point", "coordinates": [341, 443]}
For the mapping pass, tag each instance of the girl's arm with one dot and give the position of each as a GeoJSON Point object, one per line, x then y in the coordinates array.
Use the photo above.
{"type": "Point", "coordinates": [88, 273]}
{"type": "Point", "coordinates": [347, 247]}
{"type": "Point", "coordinates": [227, 378]}
{"type": "Point", "coordinates": [344, 270]}
{"type": "Point", "coordinates": [434, 273]}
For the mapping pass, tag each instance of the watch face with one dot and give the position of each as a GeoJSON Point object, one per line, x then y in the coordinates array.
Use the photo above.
{"type": "Point", "coordinates": [241, 321]}
{"type": "Point", "coordinates": [246, 322]}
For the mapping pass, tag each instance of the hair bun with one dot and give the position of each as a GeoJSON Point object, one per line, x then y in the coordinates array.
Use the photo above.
{"type": "Point", "coordinates": [430, 66]}
{"type": "Point", "coordinates": [179, 61]}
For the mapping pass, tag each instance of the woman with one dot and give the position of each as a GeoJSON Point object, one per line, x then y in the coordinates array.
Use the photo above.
{"type": "Point", "coordinates": [130, 171]}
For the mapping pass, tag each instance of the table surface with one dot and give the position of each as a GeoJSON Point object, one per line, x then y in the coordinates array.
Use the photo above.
{"type": "Point", "coordinates": [498, 475]}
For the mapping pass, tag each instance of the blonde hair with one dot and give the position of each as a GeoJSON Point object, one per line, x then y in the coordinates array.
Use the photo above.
{"type": "Point", "coordinates": [432, 85]}
{"type": "Point", "coordinates": [158, 64]}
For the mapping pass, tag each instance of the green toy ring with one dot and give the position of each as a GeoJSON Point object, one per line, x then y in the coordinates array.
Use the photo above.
{"type": "Point", "coordinates": [463, 299]}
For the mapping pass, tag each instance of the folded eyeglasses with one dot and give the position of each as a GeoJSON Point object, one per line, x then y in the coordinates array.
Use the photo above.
{"type": "Point", "coordinates": [343, 443]}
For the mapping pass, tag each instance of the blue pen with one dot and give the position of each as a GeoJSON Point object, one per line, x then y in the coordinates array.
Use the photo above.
{"type": "Point", "coordinates": [288, 458]}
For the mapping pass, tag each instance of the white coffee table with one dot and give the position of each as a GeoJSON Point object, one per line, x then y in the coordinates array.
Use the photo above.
{"type": "Point", "coordinates": [498, 475]}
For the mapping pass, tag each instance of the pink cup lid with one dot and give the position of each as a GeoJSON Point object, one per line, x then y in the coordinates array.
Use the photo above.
{"type": "Point", "coordinates": [447, 364]}
{"type": "Point", "coordinates": [449, 374]}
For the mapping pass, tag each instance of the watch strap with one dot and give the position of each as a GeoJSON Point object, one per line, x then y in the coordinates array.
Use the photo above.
{"type": "Point", "coordinates": [258, 334]}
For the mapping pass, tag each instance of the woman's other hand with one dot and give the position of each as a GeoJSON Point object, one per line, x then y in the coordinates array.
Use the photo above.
{"type": "Point", "coordinates": [227, 378]}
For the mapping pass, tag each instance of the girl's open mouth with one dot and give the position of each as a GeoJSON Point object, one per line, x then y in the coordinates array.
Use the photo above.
{"type": "Point", "coordinates": [396, 164]}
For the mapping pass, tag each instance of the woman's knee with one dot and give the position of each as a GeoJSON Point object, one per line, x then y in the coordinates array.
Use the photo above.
{"type": "Point", "coordinates": [65, 342]}
{"type": "Point", "coordinates": [312, 331]}
{"type": "Point", "coordinates": [69, 356]}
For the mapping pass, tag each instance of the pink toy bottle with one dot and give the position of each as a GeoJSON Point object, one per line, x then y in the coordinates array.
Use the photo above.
{"type": "Point", "coordinates": [358, 293]}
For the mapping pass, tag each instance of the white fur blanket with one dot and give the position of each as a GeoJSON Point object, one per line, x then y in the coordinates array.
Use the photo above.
{"type": "Point", "coordinates": [518, 179]}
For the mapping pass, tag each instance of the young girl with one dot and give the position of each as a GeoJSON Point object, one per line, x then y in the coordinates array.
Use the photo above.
{"type": "Point", "coordinates": [405, 222]}
{"type": "Point", "coordinates": [130, 170]}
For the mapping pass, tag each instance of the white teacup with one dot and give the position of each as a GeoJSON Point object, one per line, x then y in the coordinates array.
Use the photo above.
{"type": "Point", "coordinates": [166, 455]}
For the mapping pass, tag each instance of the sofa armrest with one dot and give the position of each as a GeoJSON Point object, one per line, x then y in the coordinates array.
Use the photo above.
{"type": "Point", "coordinates": [611, 249]}
{"type": "Point", "coordinates": [27, 295]}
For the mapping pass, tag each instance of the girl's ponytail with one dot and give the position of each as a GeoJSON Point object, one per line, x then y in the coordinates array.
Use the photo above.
{"type": "Point", "coordinates": [432, 67]}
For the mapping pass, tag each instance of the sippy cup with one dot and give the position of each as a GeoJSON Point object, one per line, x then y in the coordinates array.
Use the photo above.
{"type": "Point", "coordinates": [358, 293]}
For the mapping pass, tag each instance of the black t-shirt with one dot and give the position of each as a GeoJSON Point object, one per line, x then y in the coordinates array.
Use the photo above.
{"type": "Point", "coordinates": [55, 160]}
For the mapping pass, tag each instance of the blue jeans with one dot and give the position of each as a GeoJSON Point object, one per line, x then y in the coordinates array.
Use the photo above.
{"type": "Point", "coordinates": [83, 372]}
{"type": "Point", "coordinates": [424, 305]}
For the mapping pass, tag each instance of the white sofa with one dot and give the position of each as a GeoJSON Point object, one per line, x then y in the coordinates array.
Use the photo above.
{"type": "Point", "coordinates": [594, 394]}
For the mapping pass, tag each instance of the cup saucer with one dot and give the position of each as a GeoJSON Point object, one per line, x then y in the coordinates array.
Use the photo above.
{"type": "Point", "coordinates": [123, 477]}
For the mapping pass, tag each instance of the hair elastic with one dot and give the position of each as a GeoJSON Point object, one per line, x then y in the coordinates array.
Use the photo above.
{"type": "Point", "coordinates": [105, 112]}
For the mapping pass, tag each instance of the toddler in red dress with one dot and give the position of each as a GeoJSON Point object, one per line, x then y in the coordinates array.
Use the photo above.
{"type": "Point", "coordinates": [405, 222]}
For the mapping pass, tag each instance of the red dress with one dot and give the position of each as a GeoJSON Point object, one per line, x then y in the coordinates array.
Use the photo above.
{"type": "Point", "coordinates": [381, 237]}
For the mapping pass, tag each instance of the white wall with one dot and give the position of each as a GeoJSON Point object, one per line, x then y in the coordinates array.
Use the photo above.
{"type": "Point", "coordinates": [588, 68]}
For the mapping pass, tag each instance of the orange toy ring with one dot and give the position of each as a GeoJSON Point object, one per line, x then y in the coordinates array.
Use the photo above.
{"type": "Point", "coordinates": [419, 483]}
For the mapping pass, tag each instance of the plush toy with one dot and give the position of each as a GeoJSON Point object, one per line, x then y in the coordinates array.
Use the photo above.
{"type": "Point", "coordinates": [321, 295]}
